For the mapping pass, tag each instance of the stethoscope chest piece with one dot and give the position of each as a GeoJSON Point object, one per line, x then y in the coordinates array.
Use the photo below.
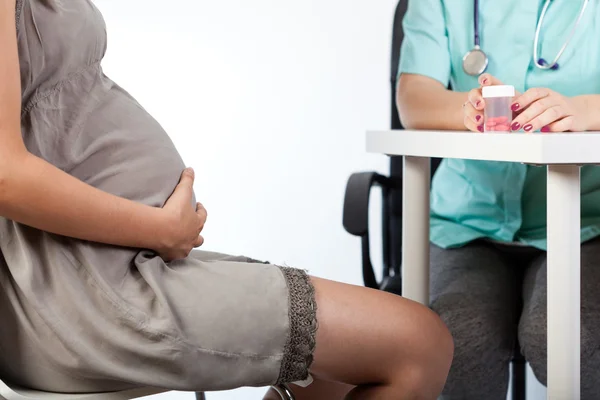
{"type": "Point", "coordinates": [475, 62]}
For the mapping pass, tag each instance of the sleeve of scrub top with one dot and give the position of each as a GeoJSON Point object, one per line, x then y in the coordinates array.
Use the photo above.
{"type": "Point", "coordinates": [425, 48]}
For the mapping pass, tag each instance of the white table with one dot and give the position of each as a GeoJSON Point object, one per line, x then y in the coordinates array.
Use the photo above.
{"type": "Point", "coordinates": [564, 154]}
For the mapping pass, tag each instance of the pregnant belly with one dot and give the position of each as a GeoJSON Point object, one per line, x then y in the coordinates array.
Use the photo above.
{"type": "Point", "coordinates": [102, 136]}
{"type": "Point", "coordinates": [96, 132]}
{"type": "Point", "coordinates": [131, 155]}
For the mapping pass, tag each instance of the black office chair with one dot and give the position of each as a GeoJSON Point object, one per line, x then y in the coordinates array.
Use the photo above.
{"type": "Point", "coordinates": [356, 211]}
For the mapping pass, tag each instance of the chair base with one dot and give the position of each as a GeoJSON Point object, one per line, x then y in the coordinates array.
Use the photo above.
{"type": "Point", "coordinates": [283, 391]}
{"type": "Point", "coordinates": [16, 393]}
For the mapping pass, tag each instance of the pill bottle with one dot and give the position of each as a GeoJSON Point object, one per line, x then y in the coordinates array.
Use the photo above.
{"type": "Point", "coordinates": [498, 114]}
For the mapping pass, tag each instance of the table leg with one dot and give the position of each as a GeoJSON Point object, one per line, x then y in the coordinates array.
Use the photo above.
{"type": "Point", "coordinates": [415, 229]}
{"type": "Point", "coordinates": [564, 282]}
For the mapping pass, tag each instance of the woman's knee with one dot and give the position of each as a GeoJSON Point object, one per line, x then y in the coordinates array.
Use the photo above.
{"type": "Point", "coordinates": [533, 340]}
{"type": "Point", "coordinates": [478, 332]}
{"type": "Point", "coordinates": [533, 347]}
{"type": "Point", "coordinates": [432, 362]}
{"type": "Point", "coordinates": [367, 336]}
{"type": "Point", "coordinates": [422, 368]}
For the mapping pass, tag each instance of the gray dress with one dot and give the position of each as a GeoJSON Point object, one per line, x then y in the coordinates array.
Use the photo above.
{"type": "Point", "coordinates": [78, 316]}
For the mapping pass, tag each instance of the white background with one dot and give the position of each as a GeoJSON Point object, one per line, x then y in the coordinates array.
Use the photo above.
{"type": "Point", "coordinates": [269, 101]}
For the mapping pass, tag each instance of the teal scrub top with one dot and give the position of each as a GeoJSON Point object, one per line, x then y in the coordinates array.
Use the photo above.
{"type": "Point", "coordinates": [496, 200]}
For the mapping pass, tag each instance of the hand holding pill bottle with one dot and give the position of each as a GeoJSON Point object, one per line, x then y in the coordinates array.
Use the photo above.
{"type": "Point", "coordinates": [497, 114]}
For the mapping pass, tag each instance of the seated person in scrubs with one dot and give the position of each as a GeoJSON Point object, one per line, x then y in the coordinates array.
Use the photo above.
{"type": "Point", "coordinates": [488, 219]}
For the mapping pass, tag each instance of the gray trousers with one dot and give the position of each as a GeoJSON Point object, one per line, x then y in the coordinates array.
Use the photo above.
{"type": "Point", "coordinates": [489, 295]}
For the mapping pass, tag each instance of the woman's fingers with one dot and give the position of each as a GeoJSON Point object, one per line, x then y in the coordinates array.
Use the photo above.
{"type": "Point", "coordinates": [563, 125]}
{"type": "Point", "coordinates": [473, 111]}
{"type": "Point", "coordinates": [185, 188]}
{"type": "Point", "coordinates": [200, 210]}
{"type": "Point", "coordinates": [474, 114]}
{"type": "Point", "coordinates": [531, 119]}
{"type": "Point", "coordinates": [488, 80]}
{"type": "Point", "coordinates": [471, 125]}
{"type": "Point", "coordinates": [547, 117]}
{"type": "Point", "coordinates": [187, 178]}
{"type": "Point", "coordinates": [529, 97]}
{"type": "Point", "coordinates": [202, 215]}
{"type": "Point", "coordinates": [475, 97]}
{"type": "Point", "coordinates": [476, 100]}
{"type": "Point", "coordinates": [199, 241]}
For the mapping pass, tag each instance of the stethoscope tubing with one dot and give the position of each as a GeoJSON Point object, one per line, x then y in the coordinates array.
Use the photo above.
{"type": "Point", "coordinates": [539, 62]}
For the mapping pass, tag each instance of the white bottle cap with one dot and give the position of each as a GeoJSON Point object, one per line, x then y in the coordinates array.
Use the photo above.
{"type": "Point", "coordinates": [498, 91]}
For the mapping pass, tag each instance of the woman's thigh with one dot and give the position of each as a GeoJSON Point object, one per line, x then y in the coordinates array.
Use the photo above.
{"type": "Point", "coordinates": [370, 337]}
{"type": "Point", "coordinates": [533, 325]}
{"type": "Point", "coordinates": [475, 291]}
{"type": "Point", "coordinates": [209, 322]}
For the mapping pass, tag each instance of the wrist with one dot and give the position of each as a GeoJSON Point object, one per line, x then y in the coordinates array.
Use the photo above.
{"type": "Point", "coordinates": [587, 111]}
{"type": "Point", "coordinates": [161, 236]}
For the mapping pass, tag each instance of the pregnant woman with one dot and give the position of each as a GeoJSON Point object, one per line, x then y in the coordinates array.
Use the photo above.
{"type": "Point", "coordinates": [88, 302]}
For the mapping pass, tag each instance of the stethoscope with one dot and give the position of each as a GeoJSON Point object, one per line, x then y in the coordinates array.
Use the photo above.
{"type": "Point", "coordinates": [475, 62]}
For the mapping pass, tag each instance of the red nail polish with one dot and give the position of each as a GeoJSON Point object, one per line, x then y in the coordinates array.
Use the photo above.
{"type": "Point", "coordinates": [478, 103]}
{"type": "Point", "coordinates": [478, 118]}
{"type": "Point", "coordinates": [515, 107]}
{"type": "Point", "coordinates": [515, 126]}
{"type": "Point", "coordinates": [480, 128]}
{"type": "Point", "coordinates": [528, 127]}
{"type": "Point", "coordinates": [485, 81]}
{"type": "Point", "coordinates": [545, 129]}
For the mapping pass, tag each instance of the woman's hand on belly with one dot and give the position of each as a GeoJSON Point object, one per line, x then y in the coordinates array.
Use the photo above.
{"type": "Point", "coordinates": [184, 223]}
{"type": "Point", "coordinates": [35, 193]}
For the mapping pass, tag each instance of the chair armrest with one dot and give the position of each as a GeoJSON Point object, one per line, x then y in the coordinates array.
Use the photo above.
{"type": "Point", "coordinates": [356, 200]}
{"type": "Point", "coordinates": [356, 219]}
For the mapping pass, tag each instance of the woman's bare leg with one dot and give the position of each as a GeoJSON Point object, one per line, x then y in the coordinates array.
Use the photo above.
{"type": "Point", "coordinates": [385, 346]}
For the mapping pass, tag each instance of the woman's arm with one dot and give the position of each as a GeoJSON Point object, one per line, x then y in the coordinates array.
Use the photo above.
{"type": "Point", "coordinates": [35, 193]}
{"type": "Point", "coordinates": [424, 103]}
{"type": "Point", "coordinates": [590, 104]}
{"type": "Point", "coordinates": [425, 68]}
